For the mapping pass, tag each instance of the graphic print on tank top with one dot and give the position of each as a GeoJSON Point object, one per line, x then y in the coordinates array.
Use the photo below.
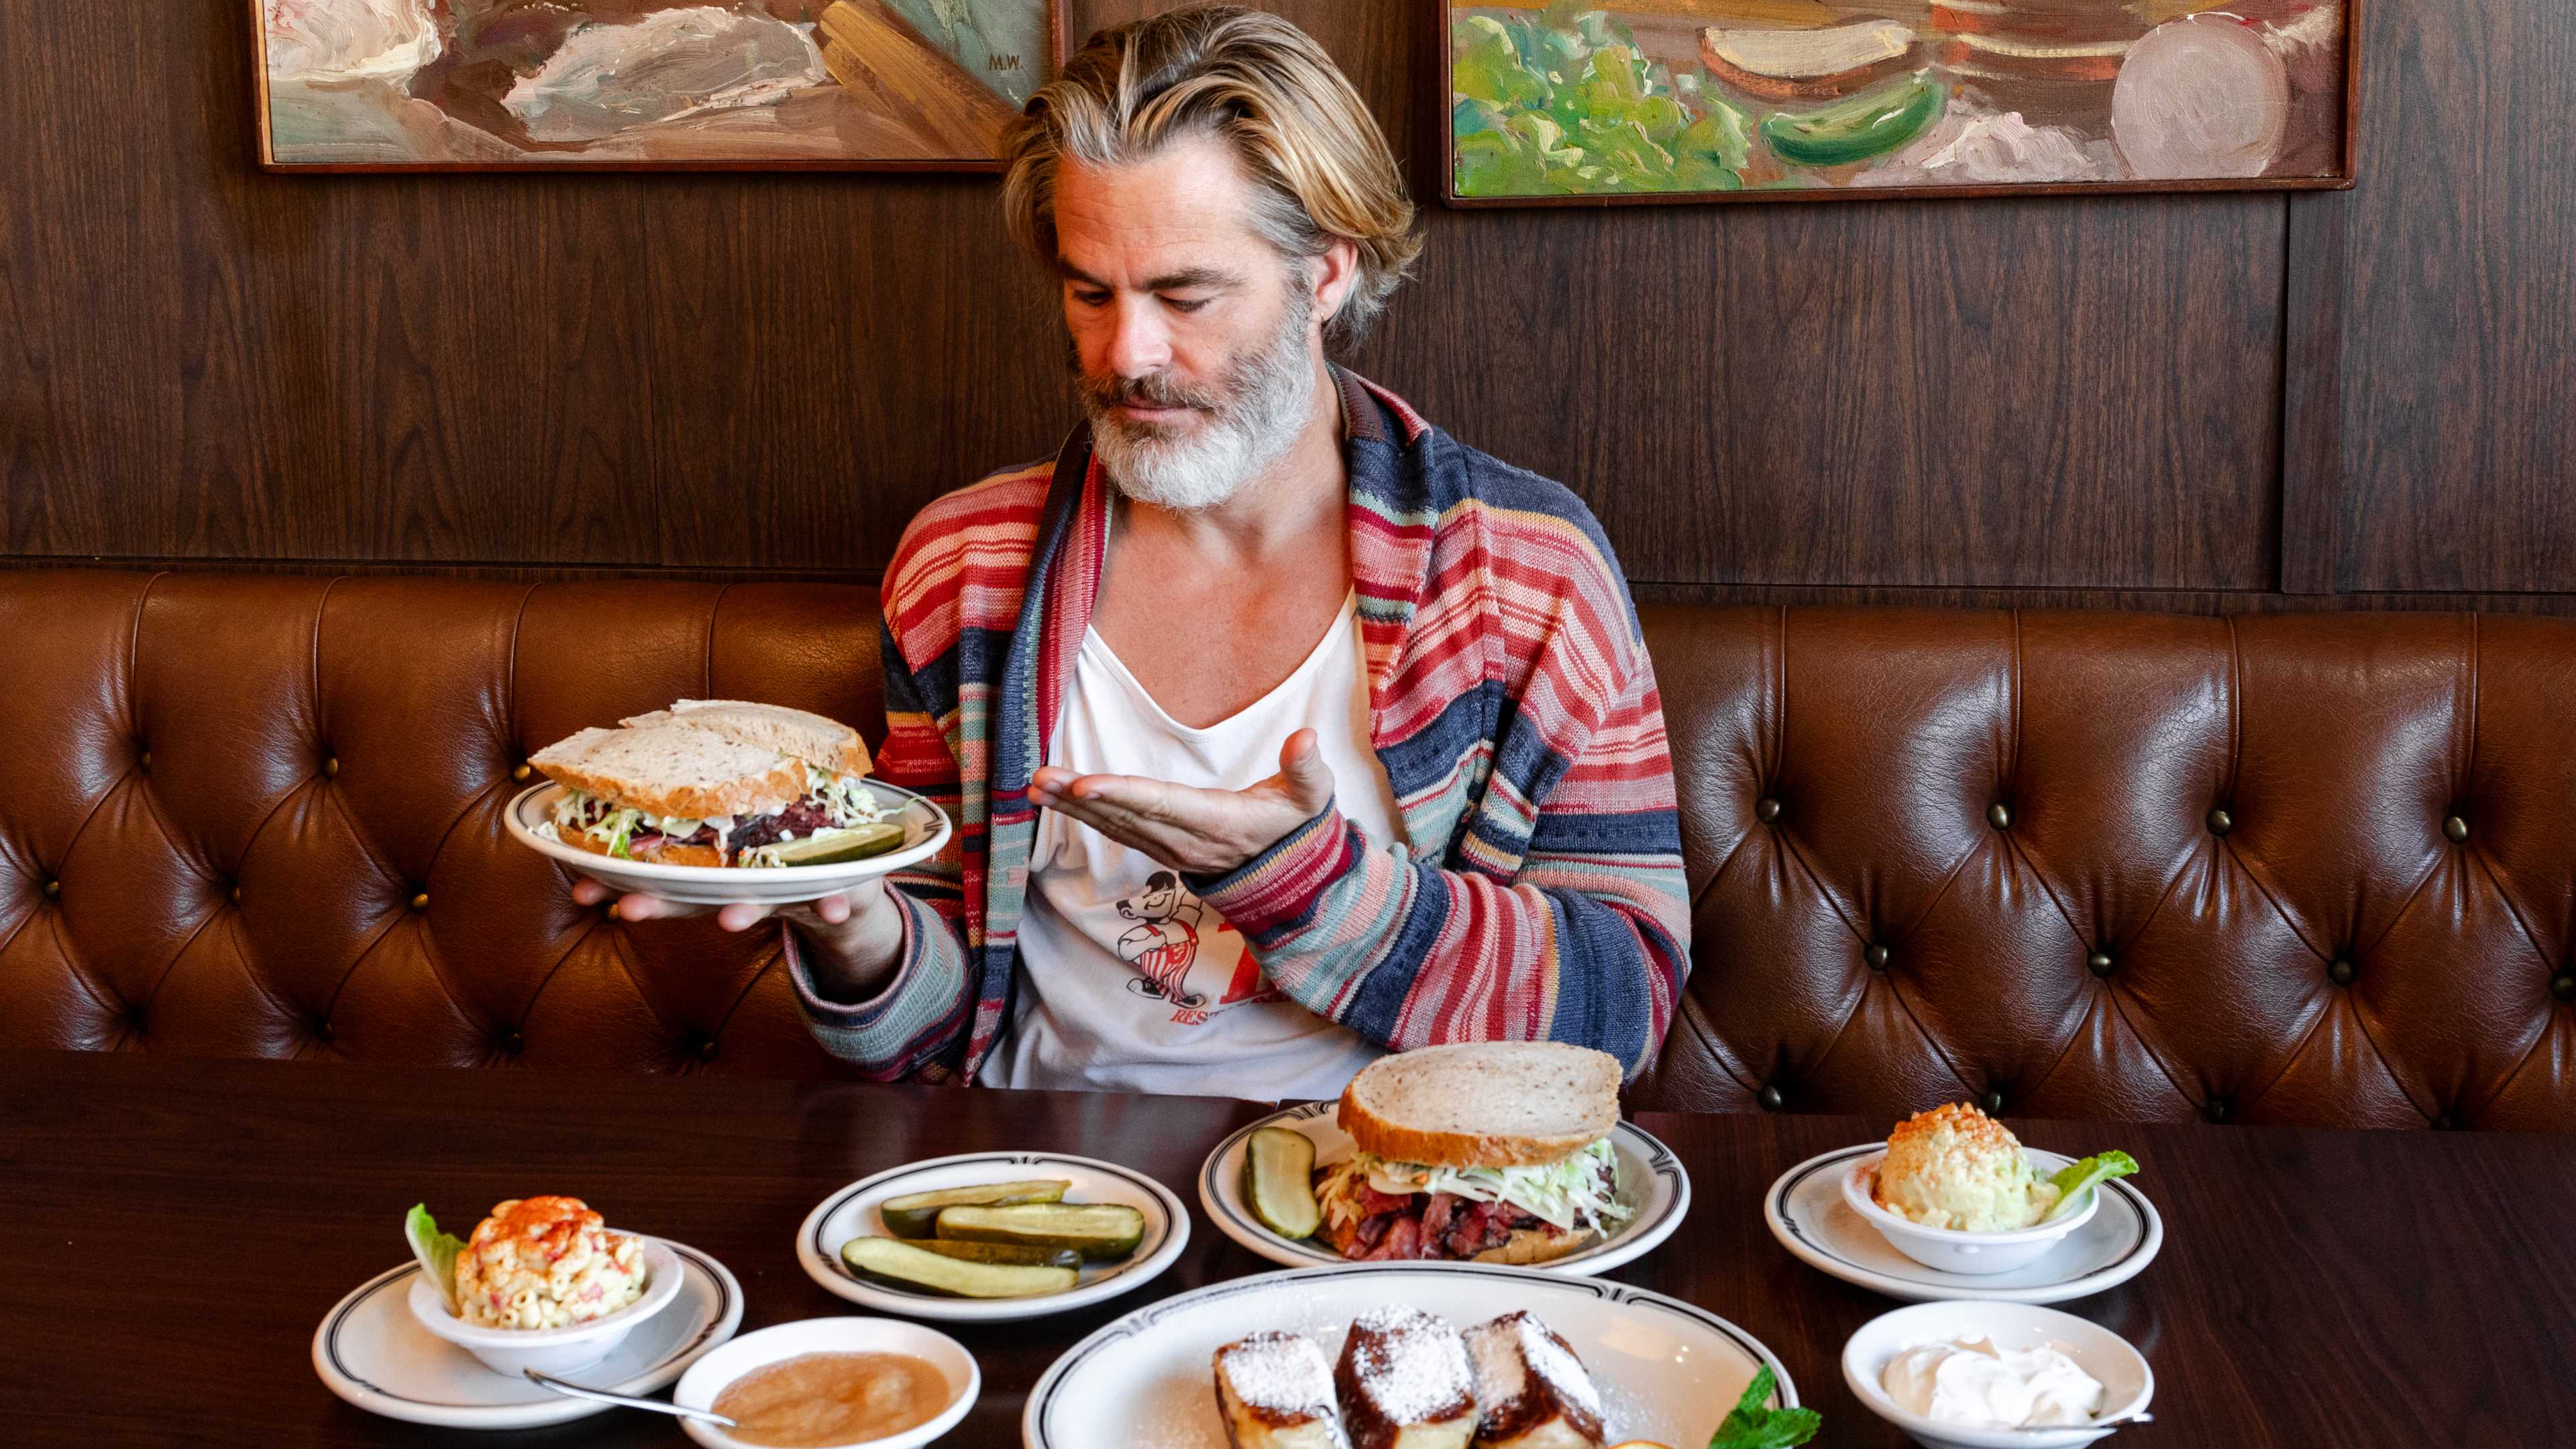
{"type": "Point", "coordinates": [1173, 963]}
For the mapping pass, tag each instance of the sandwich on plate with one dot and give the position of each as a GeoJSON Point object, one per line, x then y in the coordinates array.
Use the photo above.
{"type": "Point", "coordinates": [718, 782]}
{"type": "Point", "coordinates": [1489, 1152]}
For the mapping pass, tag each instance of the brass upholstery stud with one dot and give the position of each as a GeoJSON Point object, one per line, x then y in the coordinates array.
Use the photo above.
{"type": "Point", "coordinates": [513, 1044]}
{"type": "Point", "coordinates": [2457, 829]}
{"type": "Point", "coordinates": [521, 772]}
{"type": "Point", "coordinates": [2216, 1109]}
{"type": "Point", "coordinates": [2220, 822]}
{"type": "Point", "coordinates": [2099, 963]}
{"type": "Point", "coordinates": [420, 901]}
{"type": "Point", "coordinates": [322, 1029]}
{"type": "Point", "coordinates": [1876, 956]}
{"type": "Point", "coordinates": [53, 890]}
{"type": "Point", "coordinates": [707, 1050]}
{"type": "Point", "coordinates": [143, 762]}
{"type": "Point", "coordinates": [2564, 988]}
{"type": "Point", "coordinates": [1771, 1097]}
{"type": "Point", "coordinates": [2341, 972]}
{"type": "Point", "coordinates": [1994, 1102]}
{"type": "Point", "coordinates": [331, 768]}
{"type": "Point", "coordinates": [235, 893]}
{"type": "Point", "coordinates": [2444, 1122]}
{"type": "Point", "coordinates": [1766, 810]}
{"type": "Point", "coordinates": [1999, 815]}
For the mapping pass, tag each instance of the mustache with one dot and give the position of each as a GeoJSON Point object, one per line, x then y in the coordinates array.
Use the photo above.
{"type": "Point", "coordinates": [1152, 390]}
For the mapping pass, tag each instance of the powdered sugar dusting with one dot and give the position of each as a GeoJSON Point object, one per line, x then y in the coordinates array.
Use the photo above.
{"type": "Point", "coordinates": [1279, 1372]}
{"type": "Point", "coordinates": [1556, 1365]}
{"type": "Point", "coordinates": [1511, 1348]}
{"type": "Point", "coordinates": [1410, 1365]}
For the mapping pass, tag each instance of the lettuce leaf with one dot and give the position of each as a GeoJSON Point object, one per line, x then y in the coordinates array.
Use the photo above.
{"type": "Point", "coordinates": [2075, 1179]}
{"type": "Point", "coordinates": [436, 1250]}
{"type": "Point", "coordinates": [1754, 1424]}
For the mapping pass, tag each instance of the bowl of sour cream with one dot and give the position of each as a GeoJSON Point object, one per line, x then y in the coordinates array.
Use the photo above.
{"type": "Point", "coordinates": [1996, 1375]}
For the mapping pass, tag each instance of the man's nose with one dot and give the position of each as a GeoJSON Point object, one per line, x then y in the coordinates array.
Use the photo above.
{"type": "Point", "coordinates": [1139, 344]}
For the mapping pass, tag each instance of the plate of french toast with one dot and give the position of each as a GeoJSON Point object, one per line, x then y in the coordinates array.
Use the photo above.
{"type": "Point", "coordinates": [1467, 1356]}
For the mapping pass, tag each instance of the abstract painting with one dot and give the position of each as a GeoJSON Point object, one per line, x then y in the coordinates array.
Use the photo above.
{"type": "Point", "coordinates": [1695, 100]}
{"type": "Point", "coordinates": [654, 84]}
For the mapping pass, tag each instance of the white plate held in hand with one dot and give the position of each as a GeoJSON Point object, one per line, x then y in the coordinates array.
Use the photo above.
{"type": "Point", "coordinates": [925, 830]}
{"type": "Point", "coordinates": [1652, 1185]}
{"type": "Point", "coordinates": [852, 1213]}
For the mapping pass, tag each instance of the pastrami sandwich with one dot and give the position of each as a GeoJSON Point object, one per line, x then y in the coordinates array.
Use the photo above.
{"type": "Point", "coordinates": [1492, 1152]}
{"type": "Point", "coordinates": [718, 782]}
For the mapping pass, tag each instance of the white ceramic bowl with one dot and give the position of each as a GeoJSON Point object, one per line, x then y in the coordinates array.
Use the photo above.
{"type": "Point", "coordinates": [550, 1350]}
{"type": "Point", "coordinates": [1949, 1250]}
{"type": "Point", "coordinates": [709, 1376]}
{"type": "Point", "coordinates": [2127, 1383]}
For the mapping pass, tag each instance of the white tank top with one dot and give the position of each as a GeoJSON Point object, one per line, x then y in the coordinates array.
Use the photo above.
{"type": "Point", "coordinates": [1131, 983]}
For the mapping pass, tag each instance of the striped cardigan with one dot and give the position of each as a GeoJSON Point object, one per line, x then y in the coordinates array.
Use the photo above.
{"type": "Point", "coordinates": [1511, 700]}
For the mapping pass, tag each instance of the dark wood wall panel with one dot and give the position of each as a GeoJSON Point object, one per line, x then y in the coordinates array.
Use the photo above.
{"type": "Point", "coordinates": [731, 374]}
{"type": "Point", "coordinates": [1906, 393]}
{"type": "Point", "coordinates": [2446, 461]}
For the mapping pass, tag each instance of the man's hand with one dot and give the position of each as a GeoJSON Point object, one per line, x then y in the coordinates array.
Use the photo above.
{"type": "Point", "coordinates": [1195, 831]}
{"type": "Point", "coordinates": [852, 939]}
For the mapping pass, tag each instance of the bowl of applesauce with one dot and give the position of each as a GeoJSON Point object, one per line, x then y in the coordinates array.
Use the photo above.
{"type": "Point", "coordinates": [832, 1383]}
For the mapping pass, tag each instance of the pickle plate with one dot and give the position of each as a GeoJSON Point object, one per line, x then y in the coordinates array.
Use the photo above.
{"type": "Point", "coordinates": [854, 1212]}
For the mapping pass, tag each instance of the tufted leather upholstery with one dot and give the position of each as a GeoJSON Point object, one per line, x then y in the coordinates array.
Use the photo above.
{"type": "Point", "coordinates": [337, 750]}
{"type": "Point", "coordinates": [2106, 945]}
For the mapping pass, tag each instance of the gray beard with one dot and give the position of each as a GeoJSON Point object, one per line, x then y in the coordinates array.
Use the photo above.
{"type": "Point", "coordinates": [1263, 404]}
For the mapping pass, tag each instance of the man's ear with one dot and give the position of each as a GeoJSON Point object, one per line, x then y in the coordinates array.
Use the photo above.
{"type": "Point", "coordinates": [1334, 274]}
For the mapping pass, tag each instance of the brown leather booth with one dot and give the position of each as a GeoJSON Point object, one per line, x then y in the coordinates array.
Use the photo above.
{"type": "Point", "coordinates": [2310, 869]}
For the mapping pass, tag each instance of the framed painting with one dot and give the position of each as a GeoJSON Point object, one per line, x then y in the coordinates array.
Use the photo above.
{"type": "Point", "coordinates": [670, 85]}
{"type": "Point", "coordinates": [1555, 103]}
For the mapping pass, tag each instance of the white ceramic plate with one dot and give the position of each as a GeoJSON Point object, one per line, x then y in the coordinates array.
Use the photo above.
{"type": "Point", "coordinates": [1651, 1181]}
{"type": "Point", "coordinates": [925, 830]}
{"type": "Point", "coordinates": [371, 1351]}
{"type": "Point", "coordinates": [1667, 1371]}
{"type": "Point", "coordinates": [852, 1213]}
{"type": "Point", "coordinates": [1806, 1211]}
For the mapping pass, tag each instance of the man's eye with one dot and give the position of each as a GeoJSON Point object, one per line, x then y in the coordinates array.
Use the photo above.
{"type": "Point", "coordinates": [1185, 304]}
{"type": "Point", "coordinates": [1091, 299]}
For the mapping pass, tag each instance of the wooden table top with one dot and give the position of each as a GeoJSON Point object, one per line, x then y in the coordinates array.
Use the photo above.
{"type": "Point", "coordinates": [175, 1230]}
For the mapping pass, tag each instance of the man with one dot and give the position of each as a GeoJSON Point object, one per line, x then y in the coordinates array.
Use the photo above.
{"type": "Point", "coordinates": [1279, 728]}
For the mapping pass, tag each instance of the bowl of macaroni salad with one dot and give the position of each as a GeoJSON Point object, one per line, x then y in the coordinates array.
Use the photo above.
{"type": "Point", "coordinates": [544, 1284]}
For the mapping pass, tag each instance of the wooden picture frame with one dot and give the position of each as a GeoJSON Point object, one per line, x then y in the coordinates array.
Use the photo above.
{"type": "Point", "coordinates": [935, 69]}
{"type": "Point", "coordinates": [1766, 177]}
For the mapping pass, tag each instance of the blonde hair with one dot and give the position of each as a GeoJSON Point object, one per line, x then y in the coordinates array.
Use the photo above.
{"type": "Point", "coordinates": [1320, 167]}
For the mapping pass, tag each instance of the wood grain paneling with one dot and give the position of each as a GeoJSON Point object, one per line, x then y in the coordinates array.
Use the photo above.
{"type": "Point", "coordinates": [736, 373]}
{"type": "Point", "coordinates": [2446, 464]}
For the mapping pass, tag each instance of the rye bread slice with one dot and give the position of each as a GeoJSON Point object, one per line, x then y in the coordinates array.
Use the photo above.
{"type": "Point", "coordinates": [671, 769]}
{"type": "Point", "coordinates": [1483, 1104]}
{"type": "Point", "coordinates": [795, 733]}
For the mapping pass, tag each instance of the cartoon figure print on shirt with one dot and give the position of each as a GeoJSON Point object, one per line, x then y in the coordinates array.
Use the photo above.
{"type": "Point", "coordinates": [1166, 949]}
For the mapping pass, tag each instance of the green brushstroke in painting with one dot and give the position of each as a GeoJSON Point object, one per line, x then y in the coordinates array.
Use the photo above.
{"type": "Point", "coordinates": [1562, 102]}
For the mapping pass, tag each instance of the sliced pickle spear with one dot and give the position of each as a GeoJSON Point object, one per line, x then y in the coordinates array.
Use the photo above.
{"type": "Point", "coordinates": [899, 1264]}
{"type": "Point", "coordinates": [833, 847]}
{"type": "Point", "coordinates": [916, 1215]}
{"type": "Point", "coordinates": [1279, 1181]}
{"type": "Point", "coordinates": [1102, 1232]}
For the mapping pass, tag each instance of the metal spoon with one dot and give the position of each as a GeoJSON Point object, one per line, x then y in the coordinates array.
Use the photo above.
{"type": "Point", "coordinates": [602, 1396]}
